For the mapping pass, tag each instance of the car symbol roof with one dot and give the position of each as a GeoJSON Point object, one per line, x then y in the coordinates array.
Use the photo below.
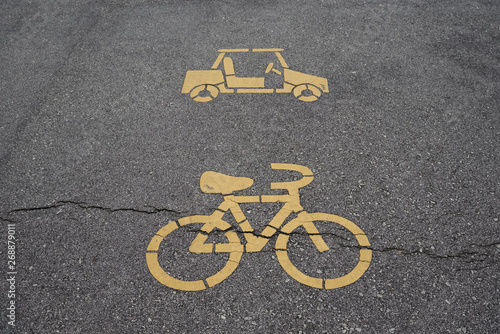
{"type": "Point", "coordinates": [248, 50]}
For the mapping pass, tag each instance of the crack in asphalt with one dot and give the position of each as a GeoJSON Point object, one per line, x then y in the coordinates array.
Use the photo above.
{"type": "Point", "coordinates": [278, 231]}
{"type": "Point", "coordinates": [464, 255]}
{"type": "Point", "coordinates": [468, 255]}
{"type": "Point", "coordinates": [86, 206]}
{"type": "Point", "coordinates": [461, 254]}
{"type": "Point", "coordinates": [8, 220]}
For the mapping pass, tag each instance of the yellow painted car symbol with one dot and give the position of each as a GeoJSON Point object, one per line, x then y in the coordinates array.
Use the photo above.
{"type": "Point", "coordinates": [205, 85]}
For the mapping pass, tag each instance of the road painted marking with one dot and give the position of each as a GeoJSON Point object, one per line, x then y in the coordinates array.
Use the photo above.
{"type": "Point", "coordinates": [205, 85]}
{"type": "Point", "coordinates": [216, 183]}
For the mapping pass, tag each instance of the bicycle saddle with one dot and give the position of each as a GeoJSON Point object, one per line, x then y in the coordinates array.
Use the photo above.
{"type": "Point", "coordinates": [217, 183]}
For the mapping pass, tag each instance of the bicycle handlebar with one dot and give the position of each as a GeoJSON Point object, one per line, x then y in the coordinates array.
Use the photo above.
{"type": "Point", "coordinates": [307, 177]}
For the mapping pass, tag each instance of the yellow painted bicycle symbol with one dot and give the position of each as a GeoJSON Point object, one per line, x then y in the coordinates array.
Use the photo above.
{"type": "Point", "coordinates": [217, 183]}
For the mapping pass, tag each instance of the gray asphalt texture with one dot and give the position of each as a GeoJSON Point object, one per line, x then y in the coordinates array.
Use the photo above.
{"type": "Point", "coordinates": [99, 150]}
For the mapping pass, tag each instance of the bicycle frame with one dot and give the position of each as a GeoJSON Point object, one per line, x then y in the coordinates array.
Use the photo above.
{"type": "Point", "coordinates": [255, 242]}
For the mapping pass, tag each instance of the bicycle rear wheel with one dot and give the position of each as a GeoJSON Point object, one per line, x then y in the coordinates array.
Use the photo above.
{"type": "Point", "coordinates": [170, 235]}
{"type": "Point", "coordinates": [354, 239]}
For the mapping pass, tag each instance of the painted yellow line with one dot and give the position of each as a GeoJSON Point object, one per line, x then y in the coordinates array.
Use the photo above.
{"type": "Point", "coordinates": [246, 227]}
{"type": "Point", "coordinates": [247, 199]}
{"type": "Point", "coordinates": [234, 50]}
{"type": "Point", "coordinates": [296, 274]}
{"type": "Point", "coordinates": [192, 219]}
{"type": "Point", "coordinates": [227, 204]}
{"type": "Point", "coordinates": [238, 215]}
{"type": "Point", "coordinates": [275, 198]}
{"type": "Point", "coordinates": [269, 231]}
{"type": "Point", "coordinates": [255, 90]}
{"type": "Point", "coordinates": [167, 229]}
{"type": "Point", "coordinates": [298, 168]}
{"type": "Point", "coordinates": [292, 184]}
{"type": "Point", "coordinates": [217, 215]}
{"type": "Point", "coordinates": [267, 50]}
{"type": "Point", "coordinates": [281, 242]}
{"type": "Point", "coordinates": [311, 98]}
{"type": "Point", "coordinates": [229, 247]}
{"type": "Point", "coordinates": [353, 228]}
{"type": "Point", "coordinates": [355, 274]}
{"type": "Point", "coordinates": [287, 88]}
{"type": "Point", "coordinates": [232, 262]}
{"type": "Point", "coordinates": [199, 246]}
{"type": "Point", "coordinates": [254, 244]}
{"type": "Point", "coordinates": [166, 279]}
{"type": "Point", "coordinates": [228, 66]}
{"type": "Point", "coordinates": [282, 61]}
{"type": "Point", "coordinates": [317, 239]}
{"type": "Point", "coordinates": [223, 89]}
{"type": "Point", "coordinates": [154, 244]}
{"type": "Point", "coordinates": [217, 61]}
{"type": "Point", "coordinates": [245, 82]}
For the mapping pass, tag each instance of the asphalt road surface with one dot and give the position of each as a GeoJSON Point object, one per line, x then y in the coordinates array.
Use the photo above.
{"type": "Point", "coordinates": [99, 150]}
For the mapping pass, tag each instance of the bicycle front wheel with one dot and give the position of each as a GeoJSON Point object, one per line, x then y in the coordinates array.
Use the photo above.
{"type": "Point", "coordinates": [184, 248]}
{"type": "Point", "coordinates": [343, 241]}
